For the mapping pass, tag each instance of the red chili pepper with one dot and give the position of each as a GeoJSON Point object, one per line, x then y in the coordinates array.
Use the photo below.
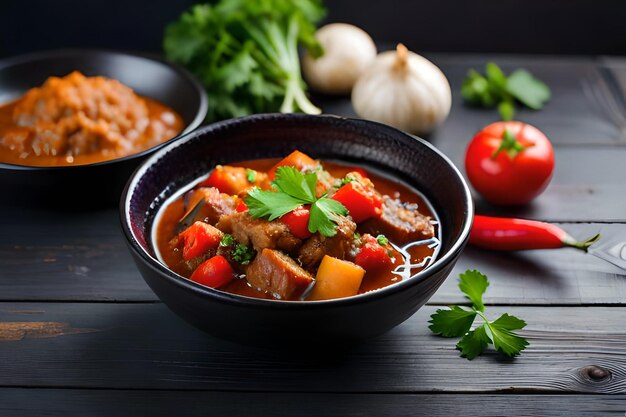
{"type": "Point", "coordinates": [498, 233]}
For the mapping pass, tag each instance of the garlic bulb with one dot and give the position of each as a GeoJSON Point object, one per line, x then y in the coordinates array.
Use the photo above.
{"type": "Point", "coordinates": [348, 51]}
{"type": "Point", "coordinates": [404, 90]}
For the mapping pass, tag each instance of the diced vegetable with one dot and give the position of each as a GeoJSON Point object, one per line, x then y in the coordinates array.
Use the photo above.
{"type": "Point", "coordinates": [336, 279]}
{"type": "Point", "coordinates": [362, 203]}
{"type": "Point", "coordinates": [373, 255]}
{"type": "Point", "coordinates": [214, 272]}
{"type": "Point", "coordinates": [297, 160]}
{"type": "Point", "coordinates": [198, 239]}
{"type": "Point", "coordinates": [241, 207]}
{"type": "Point", "coordinates": [227, 179]}
{"type": "Point", "coordinates": [298, 222]}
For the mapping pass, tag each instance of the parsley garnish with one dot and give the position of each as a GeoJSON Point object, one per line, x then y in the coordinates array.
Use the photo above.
{"type": "Point", "coordinates": [250, 175]}
{"type": "Point", "coordinates": [496, 89]}
{"type": "Point", "coordinates": [382, 240]}
{"type": "Point", "coordinates": [457, 321]}
{"type": "Point", "coordinates": [294, 189]}
{"type": "Point", "coordinates": [240, 253]}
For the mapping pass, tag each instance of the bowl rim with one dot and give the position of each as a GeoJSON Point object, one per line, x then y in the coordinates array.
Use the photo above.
{"type": "Point", "coordinates": [227, 298]}
{"type": "Point", "coordinates": [199, 117]}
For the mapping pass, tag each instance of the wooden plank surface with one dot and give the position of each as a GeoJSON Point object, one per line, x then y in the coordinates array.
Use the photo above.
{"type": "Point", "coordinates": [83, 257]}
{"type": "Point", "coordinates": [144, 346]}
{"type": "Point", "coordinates": [19, 402]}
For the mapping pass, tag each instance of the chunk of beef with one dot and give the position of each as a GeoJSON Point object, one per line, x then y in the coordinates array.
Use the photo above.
{"type": "Point", "coordinates": [259, 233]}
{"type": "Point", "coordinates": [339, 246]}
{"type": "Point", "coordinates": [275, 272]}
{"type": "Point", "coordinates": [401, 223]}
{"type": "Point", "coordinates": [216, 204]}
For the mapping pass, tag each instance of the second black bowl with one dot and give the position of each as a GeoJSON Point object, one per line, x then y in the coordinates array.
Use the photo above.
{"type": "Point", "coordinates": [99, 183]}
{"type": "Point", "coordinates": [257, 321]}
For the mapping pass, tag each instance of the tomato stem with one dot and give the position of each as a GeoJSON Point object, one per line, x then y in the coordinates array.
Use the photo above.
{"type": "Point", "coordinates": [509, 144]}
{"type": "Point", "coordinates": [582, 245]}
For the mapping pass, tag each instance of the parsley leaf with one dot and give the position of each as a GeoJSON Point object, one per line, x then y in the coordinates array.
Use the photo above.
{"type": "Point", "coordinates": [473, 343]}
{"type": "Point", "coordinates": [270, 204]}
{"type": "Point", "coordinates": [457, 321]}
{"type": "Point", "coordinates": [495, 89]}
{"type": "Point", "coordinates": [245, 53]}
{"type": "Point", "coordinates": [454, 322]}
{"type": "Point", "coordinates": [473, 284]}
{"type": "Point", "coordinates": [504, 340]}
{"type": "Point", "coordinates": [296, 184]}
{"type": "Point", "coordinates": [294, 189]}
{"type": "Point", "coordinates": [324, 216]}
{"type": "Point", "coordinates": [529, 90]}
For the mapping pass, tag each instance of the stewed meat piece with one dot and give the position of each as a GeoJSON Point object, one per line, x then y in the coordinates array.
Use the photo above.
{"type": "Point", "coordinates": [259, 233]}
{"type": "Point", "coordinates": [339, 246]}
{"type": "Point", "coordinates": [275, 272]}
{"type": "Point", "coordinates": [401, 223]}
{"type": "Point", "coordinates": [215, 206]}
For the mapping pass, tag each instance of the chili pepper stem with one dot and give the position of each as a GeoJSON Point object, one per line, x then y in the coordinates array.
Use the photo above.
{"type": "Point", "coordinates": [582, 245]}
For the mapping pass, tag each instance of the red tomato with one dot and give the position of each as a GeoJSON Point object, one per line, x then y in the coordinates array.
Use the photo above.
{"type": "Point", "coordinates": [372, 255]}
{"type": "Point", "coordinates": [515, 174]}
{"type": "Point", "coordinates": [214, 272]}
{"type": "Point", "coordinates": [298, 222]}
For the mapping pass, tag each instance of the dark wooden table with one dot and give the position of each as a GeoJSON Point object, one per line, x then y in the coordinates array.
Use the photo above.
{"type": "Point", "coordinates": [81, 333]}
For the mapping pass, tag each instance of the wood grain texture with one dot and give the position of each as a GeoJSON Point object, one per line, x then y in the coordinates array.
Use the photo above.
{"type": "Point", "coordinates": [563, 276]}
{"type": "Point", "coordinates": [19, 402]}
{"type": "Point", "coordinates": [144, 346]}
{"type": "Point", "coordinates": [82, 256]}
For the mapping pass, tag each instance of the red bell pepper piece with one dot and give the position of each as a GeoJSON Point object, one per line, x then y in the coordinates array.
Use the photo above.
{"type": "Point", "coordinates": [372, 255]}
{"type": "Point", "coordinates": [361, 202]}
{"type": "Point", "coordinates": [298, 222]}
{"type": "Point", "coordinates": [214, 272]}
{"type": "Point", "coordinates": [198, 239]}
{"type": "Point", "coordinates": [241, 207]}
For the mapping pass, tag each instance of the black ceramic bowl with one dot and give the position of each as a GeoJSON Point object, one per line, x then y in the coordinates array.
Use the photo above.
{"type": "Point", "coordinates": [102, 182]}
{"type": "Point", "coordinates": [248, 320]}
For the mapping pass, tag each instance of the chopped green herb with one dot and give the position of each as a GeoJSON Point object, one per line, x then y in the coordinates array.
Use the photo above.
{"type": "Point", "coordinates": [240, 253]}
{"type": "Point", "coordinates": [495, 89]}
{"type": "Point", "coordinates": [293, 189]}
{"type": "Point", "coordinates": [382, 240]}
{"type": "Point", "coordinates": [347, 179]}
{"type": "Point", "coordinates": [227, 240]}
{"type": "Point", "coordinates": [250, 175]}
{"type": "Point", "coordinates": [457, 322]}
{"type": "Point", "coordinates": [243, 254]}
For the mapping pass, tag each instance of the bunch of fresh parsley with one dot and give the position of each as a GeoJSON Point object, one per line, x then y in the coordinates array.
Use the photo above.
{"type": "Point", "coordinates": [457, 321]}
{"type": "Point", "coordinates": [496, 89]}
{"type": "Point", "coordinates": [245, 52]}
{"type": "Point", "coordinates": [292, 190]}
